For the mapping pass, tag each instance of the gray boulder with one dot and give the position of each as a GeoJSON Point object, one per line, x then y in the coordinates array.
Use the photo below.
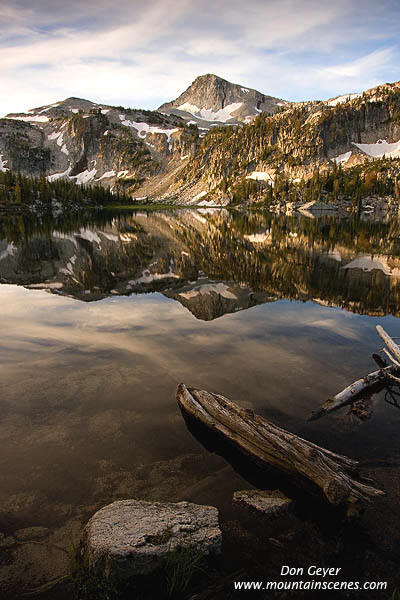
{"type": "Point", "coordinates": [134, 537]}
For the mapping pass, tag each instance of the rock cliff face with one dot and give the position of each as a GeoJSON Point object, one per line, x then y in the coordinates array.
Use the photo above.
{"type": "Point", "coordinates": [22, 148]}
{"type": "Point", "coordinates": [91, 143]}
{"type": "Point", "coordinates": [177, 154]}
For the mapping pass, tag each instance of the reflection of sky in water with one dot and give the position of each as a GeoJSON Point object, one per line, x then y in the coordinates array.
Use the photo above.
{"type": "Point", "coordinates": [90, 386]}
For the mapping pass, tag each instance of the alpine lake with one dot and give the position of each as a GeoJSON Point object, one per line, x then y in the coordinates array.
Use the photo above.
{"type": "Point", "coordinates": [103, 315]}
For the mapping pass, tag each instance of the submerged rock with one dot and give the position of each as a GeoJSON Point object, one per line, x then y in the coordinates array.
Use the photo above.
{"type": "Point", "coordinates": [265, 503]}
{"type": "Point", "coordinates": [6, 542]}
{"type": "Point", "coordinates": [134, 537]}
{"type": "Point", "coordinates": [31, 533]}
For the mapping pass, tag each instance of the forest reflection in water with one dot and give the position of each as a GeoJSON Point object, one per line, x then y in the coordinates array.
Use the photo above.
{"type": "Point", "coordinates": [213, 262]}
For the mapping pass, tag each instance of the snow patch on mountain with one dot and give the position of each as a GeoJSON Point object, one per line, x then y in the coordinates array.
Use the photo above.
{"type": "Point", "coordinates": [198, 196]}
{"type": "Point", "coordinates": [261, 176]}
{"type": "Point", "coordinates": [223, 115]}
{"type": "Point", "coordinates": [58, 135]}
{"type": "Point", "coordinates": [342, 99]}
{"type": "Point", "coordinates": [210, 204]}
{"type": "Point", "coordinates": [35, 118]}
{"type": "Point", "coordinates": [144, 128]}
{"type": "Point", "coordinates": [380, 149]}
{"type": "Point", "coordinates": [342, 158]}
{"type": "Point", "coordinates": [84, 177]}
{"type": "Point", "coordinates": [55, 135]}
{"type": "Point", "coordinates": [48, 108]}
{"type": "Point", "coordinates": [107, 174]}
{"type": "Point", "coordinates": [3, 163]}
{"type": "Point", "coordinates": [56, 176]}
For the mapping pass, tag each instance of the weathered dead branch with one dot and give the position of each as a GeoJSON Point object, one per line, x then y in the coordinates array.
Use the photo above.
{"type": "Point", "coordinates": [352, 392]}
{"type": "Point", "coordinates": [385, 376]}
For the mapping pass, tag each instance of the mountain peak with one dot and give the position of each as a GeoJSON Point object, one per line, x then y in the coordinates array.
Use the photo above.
{"type": "Point", "coordinates": [212, 99]}
{"type": "Point", "coordinates": [210, 77]}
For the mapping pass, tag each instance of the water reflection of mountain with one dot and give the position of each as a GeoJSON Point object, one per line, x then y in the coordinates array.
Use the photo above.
{"type": "Point", "coordinates": [213, 263]}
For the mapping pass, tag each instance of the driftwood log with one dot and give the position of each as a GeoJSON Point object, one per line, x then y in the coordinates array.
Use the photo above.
{"type": "Point", "coordinates": [335, 476]}
{"type": "Point", "coordinates": [354, 390]}
{"type": "Point", "coordinates": [384, 376]}
{"type": "Point", "coordinates": [394, 349]}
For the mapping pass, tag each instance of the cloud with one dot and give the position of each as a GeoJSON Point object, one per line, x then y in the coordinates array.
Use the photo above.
{"type": "Point", "coordinates": [127, 52]}
{"type": "Point", "coordinates": [287, 24]}
{"type": "Point", "coordinates": [373, 62]}
{"type": "Point", "coordinates": [357, 75]}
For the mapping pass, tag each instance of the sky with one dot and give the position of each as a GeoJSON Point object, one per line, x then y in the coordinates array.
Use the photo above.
{"type": "Point", "coordinates": [141, 54]}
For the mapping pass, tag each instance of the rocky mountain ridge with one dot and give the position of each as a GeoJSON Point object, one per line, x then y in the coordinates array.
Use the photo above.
{"type": "Point", "coordinates": [348, 130]}
{"type": "Point", "coordinates": [195, 149]}
{"type": "Point", "coordinates": [91, 143]}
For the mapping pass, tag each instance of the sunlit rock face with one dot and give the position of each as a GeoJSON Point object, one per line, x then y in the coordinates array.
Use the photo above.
{"type": "Point", "coordinates": [212, 263]}
{"type": "Point", "coordinates": [300, 138]}
{"type": "Point", "coordinates": [211, 100]}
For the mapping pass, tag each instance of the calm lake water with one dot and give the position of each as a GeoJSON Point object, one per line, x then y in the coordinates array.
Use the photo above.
{"type": "Point", "coordinates": [102, 317]}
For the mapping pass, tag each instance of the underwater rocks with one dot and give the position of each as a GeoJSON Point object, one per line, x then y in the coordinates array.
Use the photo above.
{"type": "Point", "coordinates": [268, 504]}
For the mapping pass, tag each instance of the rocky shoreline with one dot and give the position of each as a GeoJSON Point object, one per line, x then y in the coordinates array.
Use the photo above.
{"type": "Point", "coordinates": [378, 206]}
{"type": "Point", "coordinates": [261, 531]}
